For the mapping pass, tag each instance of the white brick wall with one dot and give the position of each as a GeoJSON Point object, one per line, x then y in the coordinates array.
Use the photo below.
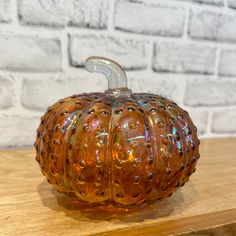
{"type": "Point", "coordinates": [5, 11]}
{"type": "Point", "coordinates": [145, 18]}
{"type": "Point", "coordinates": [210, 92]}
{"type": "Point", "coordinates": [211, 2]}
{"type": "Point", "coordinates": [48, 13]}
{"type": "Point", "coordinates": [227, 66]}
{"type": "Point", "coordinates": [132, 54]}
{"type": "Point", "coordinates": [232, 3]}
{"type": "Point", "coordinates": [224, 121]}
{"type": "Point", "coordinates": [42, 92]}
{"type": "Point", "coordinates": [210, 25]}
{"type": "Point", "coordinates": [88, 14]}
{"type": "Point", "coordinates": [182, 49]}
{"type": "Point", "coordinates": [79, 13]}
{"type": "Point", "coordinates": [183, 58]}
{"type": "Point", "coordinates": [7, 92]}
{"type": "Point", "coordinates": [17, 130]}
{"type": "Point", "coordinates": [29, 54]}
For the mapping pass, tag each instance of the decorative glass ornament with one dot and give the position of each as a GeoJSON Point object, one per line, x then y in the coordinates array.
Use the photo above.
{"type": "Point", "coordinates": [116, 148]}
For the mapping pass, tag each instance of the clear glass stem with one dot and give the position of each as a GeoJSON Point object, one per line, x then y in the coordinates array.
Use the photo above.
{"type": "Point", "coordinates": [116, 76]}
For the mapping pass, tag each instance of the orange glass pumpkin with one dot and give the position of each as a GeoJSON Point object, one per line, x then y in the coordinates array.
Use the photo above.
{"type": "Point", "coordinates": [116, 148]}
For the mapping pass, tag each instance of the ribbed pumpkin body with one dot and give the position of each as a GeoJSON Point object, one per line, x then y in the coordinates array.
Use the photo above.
{"type": "Point", "coordinates": [122, 151]}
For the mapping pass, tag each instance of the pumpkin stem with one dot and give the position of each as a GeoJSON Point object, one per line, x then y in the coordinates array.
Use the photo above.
{"type": "Point", "coordinates": [116, 76]}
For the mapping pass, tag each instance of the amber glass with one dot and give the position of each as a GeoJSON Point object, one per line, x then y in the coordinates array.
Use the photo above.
{"type": "Point", "coordinates": [116, 148]}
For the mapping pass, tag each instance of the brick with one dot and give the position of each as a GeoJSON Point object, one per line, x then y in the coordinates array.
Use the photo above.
{"type": "Point", "coordinates": [5, 11]}
{"type": "Point", "coordinates": [232, 3]}
{"type": "Point", "coordinates": [224, 121]}
{"type": "Point", "coordinates": [85, 83]}
{"type": "Point", "coordinates": [210, 25]}
{"type": "Point", "coordinates": [132, 54]}
{"type": "Point", "coordinates": [42, 12]}
{"type": "Point", "coordinates": [203, 24]}
{"type": "Point", "coordinates": [27, 53]}
{"type": "Point", "coordinates": [79, 13]}
{"type": "Point", "coordinates": [183, 58]}
{"type": "Point", "coordinates": [7, 92]}
{"type": "Point", "coordinates": [149, 18]}
{"type": "Point", "coordinates": [18, 130]}
{"type": "Point", "coordinates": [200, 120]}
{"type": "Point", "coordinates": [209, 92]}
{"type": "Point", "coordinates": [169, 86]}
{"type": "Point", "coordinates": [210, 2]}
{"type": "Point", "coordinates": [227, 63]}
{"type": "Point", "coordinates": [38, 94]}
{"type": "Point", "coordinates": [89, 14]}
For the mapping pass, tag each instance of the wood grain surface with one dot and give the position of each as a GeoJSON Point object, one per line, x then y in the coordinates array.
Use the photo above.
{"type": "Point", "coordinates": [207, 203]}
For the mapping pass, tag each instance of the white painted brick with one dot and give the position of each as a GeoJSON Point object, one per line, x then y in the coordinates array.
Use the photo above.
{"type": "Point", "coordinates": [7, 92]}
{"type": "Point", "coordinates": [149, 18]}
{"type": "Point", "coordinates": [85, 82]}
{"type": "Point", "coordinates": [5, 11]}
{"type": "Point", "coordinates": [232, 3]}
{"type": "Point", "coordinates": [43, 12]}
{"type": "Point", "coordinates": [183, 58]}
{"type": "Point", "coordinates": [79, 13]}
{"type": "Point", "coordinates": [209, 92]}
{"type": "Point", "coordinates": [169, 86]}
{"type": "Point", "coordinates": [200, 119]}
{"type": "Point", "coordinates": [91, 14]}
{"type": "Point", "coordinates": [227, 66]}
{"type": "Point", "coordinates": [18, 130]}
{"type": "Point", "coordinates": [209, 25]}
{"type": "Point", "coordinates": [227, 29]}
{"type": "Point", "coordinates": [132, 54]}
{"type": "Point", "coordinates": [38, 94]}
{"type": "Point", "coordinates": [210, 2]}
{"type": "Point", "coordinates": [224, 121]}
{"type": "Point", "coordinates": [203, 24]}
{"type": "Point", "coordinates": [26, 53]}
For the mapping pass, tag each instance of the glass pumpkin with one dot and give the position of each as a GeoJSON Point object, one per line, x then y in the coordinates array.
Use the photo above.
{"type": "Point", "coordinates": [116, 148]}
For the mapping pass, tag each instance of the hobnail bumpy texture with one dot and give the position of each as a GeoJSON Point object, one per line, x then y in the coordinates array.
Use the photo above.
{"type": "Point", "coordinates": [122, 151]}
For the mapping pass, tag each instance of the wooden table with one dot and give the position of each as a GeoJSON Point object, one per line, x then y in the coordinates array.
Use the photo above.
{"type": "Point", "coordinates": [29, 205]}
